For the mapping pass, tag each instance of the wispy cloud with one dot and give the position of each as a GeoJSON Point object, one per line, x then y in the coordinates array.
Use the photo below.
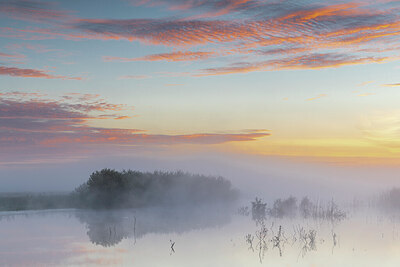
{"type": "Point", "coordinates": [174, 56]}
{"type": "Point", "coordinates": [316, 97]}
{"type": "Point", "coordinates": [309, 61]}
{"type": "Point", "coordinates": [205, 8]}
{"type": "Point", "coordinates": [383, 128]}
{"type": "Point", "coordinates": [33, 73]}
{"type": "Point", "coordinates": [31, 10]}
{"type": "Point", "coordinates": [366, 94]}
{"type": "Point", "coordinates": [365, 83]}
{"type": "Point", "coordinates": [12, 58]}
{"type": "Point", "coordinates": [136, 77]}
{"type": "Point", "coordinates": [391, 84]}
{"type": "Point", "coordinates": [5, 55]}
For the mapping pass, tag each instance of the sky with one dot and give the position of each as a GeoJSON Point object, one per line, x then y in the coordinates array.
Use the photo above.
{"type": "Point", "coordinates": [84, 84]}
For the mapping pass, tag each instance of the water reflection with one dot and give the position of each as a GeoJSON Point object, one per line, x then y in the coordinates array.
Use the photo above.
{"type": "Point", "coordinates": [77, 237]}
{"type": "Point", "coordinates": [108, 228]}
{"type": "Point", "coordinates": [284, 210]}
{"type": "Point", "coordinates": [307, 240]}
{"type": "Point", "coordinates": [261, 235]}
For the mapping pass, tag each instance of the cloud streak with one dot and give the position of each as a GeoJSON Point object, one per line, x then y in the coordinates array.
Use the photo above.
{"type": "Point", "coordinates": [206, 8]}
{"type": "Point", "coordinates": [36, 11]}
{"type": "Point", "coordinates": [174, 56]}
{"type": "Point", "coordinates": [14, 56]}
{"type": "Point", "coordinates": [316, 97]}
{"type": "Point", "coordinates": [136, 77]}
{"type": "Point", "coordinates": [309, 61]}
{"type": "Point", "coordinates": [392, 84]}
{"type": "Point", "coordinates": [32, 73]}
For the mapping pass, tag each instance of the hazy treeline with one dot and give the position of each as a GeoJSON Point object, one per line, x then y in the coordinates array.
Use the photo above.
{"type": "Point", "coordinates": [131, 189]}
{"type": "Point", "coordinates": [288, 207]}
{"type": "Point", "coordinates": [107, 189]}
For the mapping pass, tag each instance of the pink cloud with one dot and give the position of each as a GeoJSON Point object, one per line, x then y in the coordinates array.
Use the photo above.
{"type": "Point", "coordinates": [39, 122]}
{"type": "Point", "coordinates": [31, 10]}
{"type": "Point", "coordinates": [32, 73]}
{"type": "Point", "coordinates": [18, 56]}
{"type": "Point", "coordinates": [309, 61]}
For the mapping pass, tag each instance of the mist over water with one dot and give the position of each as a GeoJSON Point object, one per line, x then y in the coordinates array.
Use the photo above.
{"type": "Point", "coordinates": [201, 236]}
{"type": "Point", "coordinates": [269, 177]}
{"type": "Point", "coordinates": [348, 218]}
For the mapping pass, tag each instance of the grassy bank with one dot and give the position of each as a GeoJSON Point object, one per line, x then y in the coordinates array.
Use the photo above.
{"type": "Point", "coordinates": [35, 201]}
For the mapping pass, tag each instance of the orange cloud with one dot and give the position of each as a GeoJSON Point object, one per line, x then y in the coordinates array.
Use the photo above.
{"type": "Point", "coordinates": [130, 137]}
{"type": "Point", "coordinates": [391, 84]}
{"type": "Point", "coordinates": [122, 118]}
{"type": "Point", "coordinates": [174, 56]}
{"type": "Point", "coordinates": [332, 10]}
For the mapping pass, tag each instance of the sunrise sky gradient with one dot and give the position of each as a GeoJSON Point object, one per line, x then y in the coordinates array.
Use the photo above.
{"type": "Point", "coordinates": [315, 81]}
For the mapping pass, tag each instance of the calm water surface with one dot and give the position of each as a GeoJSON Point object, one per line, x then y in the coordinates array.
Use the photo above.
{"type": "Point", "coordinates": [159, 237]}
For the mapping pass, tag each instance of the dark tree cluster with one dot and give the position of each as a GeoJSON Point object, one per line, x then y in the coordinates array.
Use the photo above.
{"type": "Point", "coordinates": [131, 189]}
{"type": "Point", "coordinates": [258, 210]}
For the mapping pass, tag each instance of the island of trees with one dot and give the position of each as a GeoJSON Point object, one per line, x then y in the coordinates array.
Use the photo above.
{"type": "Point", "coordinates": [111, 189]}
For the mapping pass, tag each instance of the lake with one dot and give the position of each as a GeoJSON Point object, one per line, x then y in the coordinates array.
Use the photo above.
{"type": "Point", "coordinates": [200, 237]}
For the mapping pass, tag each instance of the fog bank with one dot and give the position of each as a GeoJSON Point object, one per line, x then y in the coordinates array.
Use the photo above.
{"type": "Point", "coordinates": [267, 177]}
